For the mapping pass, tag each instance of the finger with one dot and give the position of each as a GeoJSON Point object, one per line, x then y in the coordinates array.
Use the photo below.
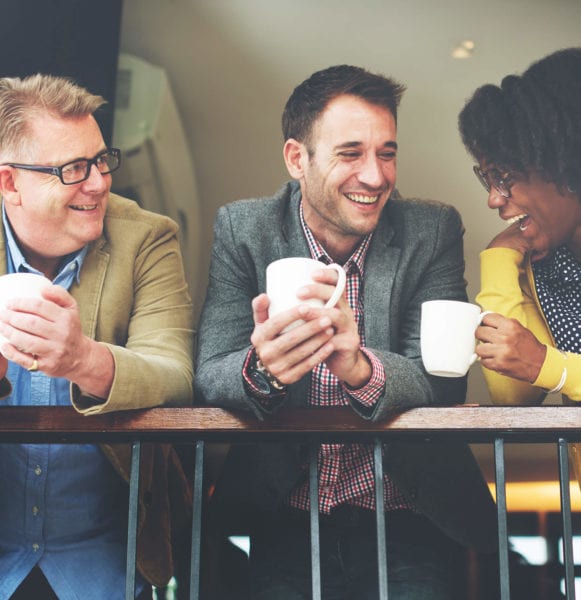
{"type": "Point", "coordinates": [58, 295]}
{"type": "Point", "coordinates": [260, 306]}
{"type": "Point", "coordinates": [302, 367]}
{"type": "Point", "coordinates": [320, 291]}
{"type": "Point", "coordinates": [327, 276]}
{"type": "Point", "coordinates": [272, 340]}
{"type": "Point", "coordinates": [20, 356]}
{"type": "Point", "coordinates": [297, 351]}
{"type": "Point", "coordinates": [23, 327]}
{"type": "Point", "coordinates": [485, 333]}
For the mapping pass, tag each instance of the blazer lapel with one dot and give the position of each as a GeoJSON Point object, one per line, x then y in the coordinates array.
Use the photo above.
{"type": "Point", "coordinates": [90, 289]}
{"type": "Point", "coordinates": [381, 267]}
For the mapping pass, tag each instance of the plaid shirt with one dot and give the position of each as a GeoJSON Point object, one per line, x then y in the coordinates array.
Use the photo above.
{"type": "Point", "coordinates": [346, 470]}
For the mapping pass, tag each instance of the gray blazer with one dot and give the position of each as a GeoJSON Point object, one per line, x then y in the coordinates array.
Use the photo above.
{"type": "Point", "coordinates": [415, 255]}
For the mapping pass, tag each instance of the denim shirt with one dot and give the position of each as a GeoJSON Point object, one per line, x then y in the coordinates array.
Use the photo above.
{"type": "Point", "coordinates": [62, 506]}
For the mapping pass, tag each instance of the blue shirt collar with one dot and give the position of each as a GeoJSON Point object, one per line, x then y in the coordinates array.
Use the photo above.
{"type": "Point", "coordinates": [69, 271]}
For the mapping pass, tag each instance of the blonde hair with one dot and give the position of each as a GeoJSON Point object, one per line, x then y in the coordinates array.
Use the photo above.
{"type": "Point", "coordinates": [21, 99]}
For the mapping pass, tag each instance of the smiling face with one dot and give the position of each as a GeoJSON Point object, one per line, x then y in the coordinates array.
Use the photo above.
{"type": "Point", "coordinates": [50, 219]}
{"type": "Point", "coordinates": [349, 173]}
{"type": "Point", "coordinates": [547, 217]}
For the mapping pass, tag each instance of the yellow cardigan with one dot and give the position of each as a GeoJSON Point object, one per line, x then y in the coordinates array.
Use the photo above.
{"type": "Point", "coordinates": [507, 288]}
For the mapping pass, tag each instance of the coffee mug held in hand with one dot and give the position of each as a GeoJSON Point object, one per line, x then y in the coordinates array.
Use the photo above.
{"type": "Point", "coordinates": [447, 336]}
{"type": "Point", "coordinates": [20, 285]}
{"type": "Point", "coordinates": [286, 276]}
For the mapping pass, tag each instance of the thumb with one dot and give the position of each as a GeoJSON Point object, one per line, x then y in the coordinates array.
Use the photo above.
{"type": "Point", "coordinates": [260, 306]}
{"type": "Point", "coordinates": [58, 295]}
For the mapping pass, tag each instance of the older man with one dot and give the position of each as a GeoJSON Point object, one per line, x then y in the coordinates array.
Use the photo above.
{"type": "Point", "coordinates": [340, 150]}
{"type": "Point", "coordinates": [113, 332]}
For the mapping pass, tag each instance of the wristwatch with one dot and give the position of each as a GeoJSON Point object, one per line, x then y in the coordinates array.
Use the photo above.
{"type": "Point", "coordinates": [263, 379]}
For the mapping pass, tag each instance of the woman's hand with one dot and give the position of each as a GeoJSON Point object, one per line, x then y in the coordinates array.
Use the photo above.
{"type": "Point", "coordinates": [509, 348]}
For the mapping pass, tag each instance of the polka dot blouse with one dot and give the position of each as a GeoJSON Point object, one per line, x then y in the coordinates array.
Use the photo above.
{"type": "Point", "coordinates": [558, 283]}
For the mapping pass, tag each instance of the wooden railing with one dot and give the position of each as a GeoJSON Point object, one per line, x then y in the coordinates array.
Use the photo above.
{"type": "Point", "coordinates": [559, 425]}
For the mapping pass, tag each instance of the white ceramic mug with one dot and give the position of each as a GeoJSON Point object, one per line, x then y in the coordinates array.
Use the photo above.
{"type": "Point", "coordinates": [284, 277]}
{"type": "Point", "coordinates": [20, 285]}
{"type": "Point", "coordinates": [447, 336]}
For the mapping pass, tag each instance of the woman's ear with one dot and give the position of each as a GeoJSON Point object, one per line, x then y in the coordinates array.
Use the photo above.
{"type": "Point", "coordinates": [295, 153]}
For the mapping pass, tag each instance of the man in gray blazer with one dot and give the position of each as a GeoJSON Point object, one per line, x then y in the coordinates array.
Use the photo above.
{"type": "Point", "coordinates": [340, 150]}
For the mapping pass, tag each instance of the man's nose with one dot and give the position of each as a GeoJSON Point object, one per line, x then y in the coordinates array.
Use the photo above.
{"type": "Point", "coordinates": [96, 182]}
{"type": "Point", "coordinates": [371, 173]}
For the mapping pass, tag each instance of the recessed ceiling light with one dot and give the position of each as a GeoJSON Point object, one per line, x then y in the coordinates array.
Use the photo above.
{"type": "Point", "coordinates": [464, 49]}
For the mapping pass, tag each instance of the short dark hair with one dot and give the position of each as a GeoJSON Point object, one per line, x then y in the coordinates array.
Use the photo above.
{"type": "Point", "coordinates": [530, 123]}
{"type": "Point", "coordinates": [310, 98]}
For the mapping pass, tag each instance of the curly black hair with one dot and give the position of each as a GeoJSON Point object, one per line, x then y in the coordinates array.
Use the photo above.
{"type": "Point", "coordinates": [531, 123]}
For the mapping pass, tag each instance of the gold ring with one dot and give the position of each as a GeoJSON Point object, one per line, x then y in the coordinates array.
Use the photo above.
{"type": "Point", "coordinates": [34, 365]}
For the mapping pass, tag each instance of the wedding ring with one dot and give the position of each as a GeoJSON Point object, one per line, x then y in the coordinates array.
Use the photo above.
{"type": "Point", "coordinates": [34, 365]}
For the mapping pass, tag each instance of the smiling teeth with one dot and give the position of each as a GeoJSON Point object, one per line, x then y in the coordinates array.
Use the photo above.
{"type": "Point", "coordinates": [362, 199]}
{"type": "Point", "coordinates": [516, 219]}
{"type": "Point", "coordinates": [92, 207]}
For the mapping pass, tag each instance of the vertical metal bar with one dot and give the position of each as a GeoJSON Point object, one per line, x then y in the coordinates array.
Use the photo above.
{"type": "Point", "coordinates": [380, 520]}
{"type": "Point", "coordinates": [502, 521]}
{"type": "Point", "coordinates": [197, 503]}
{"type": "Point", "coordinates": [132, 521]}
{"type": "Point", "coordinates": [314, 521]}
{"type": "Point", "coordinates": [566, 516]}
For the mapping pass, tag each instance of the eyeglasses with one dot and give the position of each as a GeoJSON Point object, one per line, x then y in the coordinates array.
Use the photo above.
{"type": "Point", "coordinates": [78, 170]}
{"type": "Point", "coordinates": [493, 178]}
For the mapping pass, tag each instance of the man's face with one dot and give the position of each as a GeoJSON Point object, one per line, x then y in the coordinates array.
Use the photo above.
{"type": "Point", "coordinates": [51, 219]}
{"type": "Point", "coordinates": [350, 173]}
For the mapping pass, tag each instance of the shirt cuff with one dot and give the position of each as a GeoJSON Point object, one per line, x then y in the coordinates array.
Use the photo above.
{"type": "Point", "coordinates": [552, 369]}
{"type": "Point", "coordinates": [266, 400]}
{"type": "Point", "coordinates": [371, 392]}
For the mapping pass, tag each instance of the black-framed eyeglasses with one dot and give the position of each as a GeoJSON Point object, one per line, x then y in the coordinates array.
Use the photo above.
{"type": "Point", "coordinates": [78, 170]}
{"type": "Point", "coordinates": [493, 178]}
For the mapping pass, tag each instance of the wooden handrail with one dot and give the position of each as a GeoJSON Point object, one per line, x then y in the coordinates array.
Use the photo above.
{"type": "Point", "coordinates": [469, 423]}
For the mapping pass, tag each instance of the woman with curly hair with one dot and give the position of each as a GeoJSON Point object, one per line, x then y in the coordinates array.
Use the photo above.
{"type": "Point", "coordinates": [526, 138]}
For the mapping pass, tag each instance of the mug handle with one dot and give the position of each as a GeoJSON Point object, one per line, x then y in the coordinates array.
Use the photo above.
{"type": "Point", "coordinates": [340, 287]}
{"type": "Point", "coordinates": [480, 317]}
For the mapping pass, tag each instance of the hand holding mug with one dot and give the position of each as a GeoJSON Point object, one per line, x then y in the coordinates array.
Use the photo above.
{"type": "Point", "coordinates": [510, 349]}
{"type": "Point", "coordinates": [292, 355]}
{"type": "Point", "coordinates": [284, 279]}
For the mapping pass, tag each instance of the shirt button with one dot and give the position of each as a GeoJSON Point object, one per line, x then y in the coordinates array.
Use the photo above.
{"type": "Point", "coordinates": [37, 470]}
{"type": "Point", "coordinates": [36, 547]}
{"type": "Point", "coordinates": [35, 510]}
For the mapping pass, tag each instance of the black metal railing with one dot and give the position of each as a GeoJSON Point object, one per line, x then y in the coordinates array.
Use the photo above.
{"type": "Point", "coordinates": [559, 425]}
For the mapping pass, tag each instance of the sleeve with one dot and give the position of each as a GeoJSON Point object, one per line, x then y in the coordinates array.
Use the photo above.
{"type": "Point", "coordinates": [556, 362]}
{"type": "Point", "coordinates": [371, 392]}
{"type": "Point", "coordinates": [226, 322]}
{"type": "Point", "coordinates": [154, 365]}
{"type": "Point", "coordinates": [504, 289]}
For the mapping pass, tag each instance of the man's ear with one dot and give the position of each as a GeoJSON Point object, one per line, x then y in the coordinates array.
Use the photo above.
{"type": "Point", "coordinates": [8, 186]}
{"type": "Point", "coordinates": [295, 154]}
